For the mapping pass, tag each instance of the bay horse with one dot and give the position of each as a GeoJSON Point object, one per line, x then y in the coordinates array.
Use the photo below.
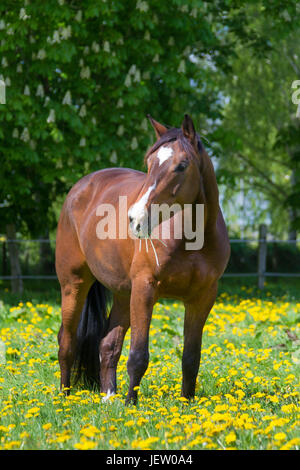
{"type": "Point", "coordinates": [88, 268]}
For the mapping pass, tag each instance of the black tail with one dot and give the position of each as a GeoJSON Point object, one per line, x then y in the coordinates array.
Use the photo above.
{"type": "Point", "coordinates": [92, 327]}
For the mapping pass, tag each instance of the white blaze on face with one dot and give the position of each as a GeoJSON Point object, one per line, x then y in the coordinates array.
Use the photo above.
{"type": "Point", "coordinates": [138, 213]}
{"type": "Point", "coordinates": [164, 153]}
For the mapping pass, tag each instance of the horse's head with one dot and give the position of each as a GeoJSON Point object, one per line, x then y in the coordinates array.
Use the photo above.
{"type": "Point", "coordinates": [174, 173]}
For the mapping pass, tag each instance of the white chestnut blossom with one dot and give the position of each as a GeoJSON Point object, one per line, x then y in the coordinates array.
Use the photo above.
{"type": "Point", "coordinates": [113, 158]}
{"type": "Point", "coordinates": [23, 15]}
{"type": "Point", "coordinates": [40, 91]}
{"type": "Point", "coordinates": [56, 37]}
{"type": "Point", "coordinates": [137, 76]}
{"type": "Point", "coordinates": [106, 46]}
{"type": "Point", "coordinates": [120, 103]}
{"type": "Point", "coordinates": [95, 47]}
{"type": "Point", "coordinates": [82, 111]}
{"type": "Point", "coordinates": [132, 69]}
{"type": "Point", "coordinates": [25, 135]}
{"type": "Point", "coordinates": [78, 16]}
{"type": "Point", "coordinates": [181, 67]}
{"type": "Point", "coordinates": [41, 55]}
{"type": "Point", "coordinates": [142, 5]}
{"type": "Point", "coordinates": [51, 117]}
{"type": "Point", "coordinates": [134, 143]}
{"type": "Point", "coordinates": [67, 98]}
{"type": "Point", "coordinates": [120, 130]}
{"type": "Point", "coordinates": [66, 33]}
{"type": "Point", "coordinates": [144, 124]}
{"type": "Point", "coordinates": [127, 80]}
{"type": "Point", "coordinates": [85, 72]}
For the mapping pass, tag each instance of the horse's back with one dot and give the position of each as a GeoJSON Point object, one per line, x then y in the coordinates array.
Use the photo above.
{"type": "Point", "coordinates": [102, 186]}
{"type": "Point", "coordinates": [77, 244]}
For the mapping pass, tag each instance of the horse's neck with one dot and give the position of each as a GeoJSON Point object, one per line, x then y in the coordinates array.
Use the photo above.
{"type": "Point", "coordinates": [211, 193]}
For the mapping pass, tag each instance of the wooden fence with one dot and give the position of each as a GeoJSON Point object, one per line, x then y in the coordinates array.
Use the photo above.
{"type": "Point", "coordinates": [261, 274]}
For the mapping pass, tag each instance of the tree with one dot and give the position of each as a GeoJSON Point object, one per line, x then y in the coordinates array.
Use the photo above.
{"type": "Point", "coordinates": [259, 135]}
{"type": "Point", "coordinates": [81, 78]}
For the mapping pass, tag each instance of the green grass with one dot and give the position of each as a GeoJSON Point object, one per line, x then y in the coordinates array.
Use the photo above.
{"type": "Point", "coordinates": [247, 393]}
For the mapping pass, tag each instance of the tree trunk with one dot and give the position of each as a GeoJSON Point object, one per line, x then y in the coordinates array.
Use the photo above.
{"type": "Point", "coordinates": [15, 267]}
{"type": "Point", "coordinates": [292, 235]}
{"type": "Point", "coordinates": [46, 255]}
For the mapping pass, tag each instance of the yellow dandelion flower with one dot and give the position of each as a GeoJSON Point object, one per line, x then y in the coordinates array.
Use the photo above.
{"type": "Point", "coordinates": [47, 426]}
{"type": "Point", "coordinates": [85, 445]}
{"type": "Point", "coordinates": [280, 436]}
{"type": "Point", "coordinates": [231, 437]}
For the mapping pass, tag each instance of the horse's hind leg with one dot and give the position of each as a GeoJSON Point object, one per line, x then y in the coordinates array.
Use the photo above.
{"type": "Point", "coordinates": [73, 297]}
{"type": "Point", "coordinates": [111, 344]}
{"type": "Point", "coordinates": [74, 293]}
{"type": "Point", "coordinates": [75, 281]}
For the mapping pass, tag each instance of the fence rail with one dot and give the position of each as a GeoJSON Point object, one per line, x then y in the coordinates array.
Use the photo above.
{"type": "Point", "coordinates": [261, 273]}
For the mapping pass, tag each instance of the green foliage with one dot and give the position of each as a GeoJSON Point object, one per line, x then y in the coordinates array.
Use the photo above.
{"type": "Point", "coordinates": [80, 79]}
{"type": "Point", "coordinates": [281, 258]}
{"type": "Point", "coordinates": [258, 141]}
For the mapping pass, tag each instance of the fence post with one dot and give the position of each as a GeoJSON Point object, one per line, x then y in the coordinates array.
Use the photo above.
{"type": "Point", "coordinates": [262, 255]}
{"type": "Point", "coordinates": [15, 267]}
{"type": "Point", "coordinates": [4, 259]}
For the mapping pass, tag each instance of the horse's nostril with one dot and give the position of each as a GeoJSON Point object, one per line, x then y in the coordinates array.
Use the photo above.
{"type": "Point", "coordinates": [130, 219]}
{"type": "Point", "coordinates": [138, 227]}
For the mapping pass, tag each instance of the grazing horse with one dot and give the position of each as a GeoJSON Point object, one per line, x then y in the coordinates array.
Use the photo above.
{"type": "Point", "coordinates": [88, 266]}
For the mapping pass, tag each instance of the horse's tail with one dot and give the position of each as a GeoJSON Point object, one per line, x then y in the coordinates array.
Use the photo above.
{"type": "Point", "coordinates": [92, 327]}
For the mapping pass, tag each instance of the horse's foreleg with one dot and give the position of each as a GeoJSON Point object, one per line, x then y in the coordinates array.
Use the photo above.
{"type": "Point", "coordinates": [141, 305]}
{"type": "Point", "coordinates": [196, 313]}
{"type": "Point", "coordinates": [111, 344]}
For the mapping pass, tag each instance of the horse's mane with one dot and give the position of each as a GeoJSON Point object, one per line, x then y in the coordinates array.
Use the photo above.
{"type": "Point", "coordinates": [170, 136]}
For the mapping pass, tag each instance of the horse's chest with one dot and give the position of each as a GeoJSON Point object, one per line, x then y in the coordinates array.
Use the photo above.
{"type": "Point", "coordinates": [181, 277]}
{"type": "Point", "coordinates": [177, 278]}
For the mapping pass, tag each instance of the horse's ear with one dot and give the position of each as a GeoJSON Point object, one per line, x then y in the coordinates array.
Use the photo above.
{"type": "Point", "coordinates": [188, 129]}
{"type": "Point", "coordinates": [160, 129]}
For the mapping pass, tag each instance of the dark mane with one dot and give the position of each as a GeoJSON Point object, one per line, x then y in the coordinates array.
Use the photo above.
{"type": "Point", "coordinates": [172, 135]}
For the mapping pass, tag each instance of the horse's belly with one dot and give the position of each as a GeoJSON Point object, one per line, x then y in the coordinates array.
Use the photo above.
{"type": "Point", "coordinates": [108, 264]}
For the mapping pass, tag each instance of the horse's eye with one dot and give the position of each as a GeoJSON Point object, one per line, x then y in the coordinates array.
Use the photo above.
{"type": "Point", "coordinates": [181, 167]}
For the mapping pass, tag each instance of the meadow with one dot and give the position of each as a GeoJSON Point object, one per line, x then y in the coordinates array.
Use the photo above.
{"type": "Point", "coordinates": [247, 394]}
